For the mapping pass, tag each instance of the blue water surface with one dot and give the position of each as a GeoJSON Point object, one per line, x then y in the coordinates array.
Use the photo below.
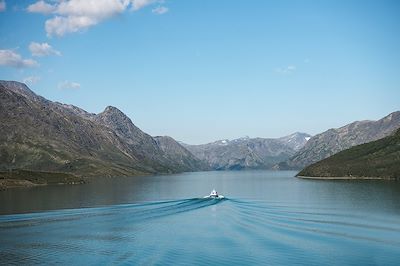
{"type": "Point", "coordinates": [267, 218]}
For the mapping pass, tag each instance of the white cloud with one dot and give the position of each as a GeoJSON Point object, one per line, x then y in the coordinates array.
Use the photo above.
{"type": "Point", "coordinates": [41, 7]}
{"type": "Point", "coordinates": [291, 68]}
{"type": "Point", "coordinates": [31, 80]}
{"type": "Point", "coordinates": [12, 59]}
{"type": "Point", "coordinates": [99, 9]}
{"type": "Point", "coordinates": [77, 15]}
{"type": "Point", "coordinates": [138, 4]}
{"type": "Point", "coordinates": [42, 49]}
{"type": "Point", "coordinates": [160, 10]}
{"type": "Point", "coordinates": [68, 85]}
{"type": "Point", "coordinates": [3, 5]}
{"type": "Point", "coordinates": [59, 26]}
{"type": "Point", "coordinates": [286, 70]}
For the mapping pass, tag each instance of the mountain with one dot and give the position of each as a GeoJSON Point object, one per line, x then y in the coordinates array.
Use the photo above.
{"type": "Point", "coordinates": [377, 159]}
{"type": "Point", "coordinates": [248, 153]}
{"type": "Point", "coordinates": [296, 141]}
{"type": "Point", "coordinates": [41, 135]}
{"type": "Point", "coordinates": [176, 152]}
{"type": "Point", "coordinates": [332, 141]}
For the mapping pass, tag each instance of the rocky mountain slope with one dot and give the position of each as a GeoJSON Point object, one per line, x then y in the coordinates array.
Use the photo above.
{"type": "Point", "coordinates": [332, 141]}
{"type": "Point", "coordinates": [248, 153]}
{"type": "Point", "coordinates": [41, 135]}
{"type": "Point", "coordinates": [176, 152]}
{"type": "Point", "coordinates": [377, 159]}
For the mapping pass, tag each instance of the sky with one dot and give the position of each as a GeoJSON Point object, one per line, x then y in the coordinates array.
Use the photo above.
{"type": "Point", "coordinates": [205, 70]}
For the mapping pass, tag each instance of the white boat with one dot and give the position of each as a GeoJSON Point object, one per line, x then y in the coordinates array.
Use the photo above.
{"type": "Point", "coordinates": [214, 195]}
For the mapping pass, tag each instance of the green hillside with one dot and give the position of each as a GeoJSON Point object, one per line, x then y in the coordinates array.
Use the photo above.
{"type": "Point", "coordinates": [377, 159]}
{"type": "Point", "coordinates": [47, 142]}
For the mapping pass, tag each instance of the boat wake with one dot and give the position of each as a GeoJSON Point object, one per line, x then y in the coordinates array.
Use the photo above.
{"type": "Point", "coordinates": [200, 231]}
{"type": "Point", "coordinates": [137, 212]}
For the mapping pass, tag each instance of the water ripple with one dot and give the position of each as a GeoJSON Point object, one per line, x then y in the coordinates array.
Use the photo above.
{"type": "Point", "coordinates": [200, 231]}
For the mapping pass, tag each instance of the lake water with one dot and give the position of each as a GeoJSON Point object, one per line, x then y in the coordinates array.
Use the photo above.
{"type": "Point", "coordinates": [268, 218]}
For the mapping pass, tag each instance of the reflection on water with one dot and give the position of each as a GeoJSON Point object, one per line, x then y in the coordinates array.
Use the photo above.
{"type": "Point", "coordinates": [267, 218]}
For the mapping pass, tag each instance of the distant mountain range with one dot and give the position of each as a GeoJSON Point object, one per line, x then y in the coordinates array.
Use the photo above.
{"type": "Point", "coordinates": [248, 153]}
{"type": "Point", "coordinates": [376, 159]}
{"type": "Point", "coordinates": [41, 135]}
{"type": "Point", "coordinates": [38, 135]}
{"type": "Point", "coordinates": [332, 141]}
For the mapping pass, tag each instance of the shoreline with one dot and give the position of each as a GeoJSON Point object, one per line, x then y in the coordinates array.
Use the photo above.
{"type": "Point", "coordinates": [6, 184]}
{"type": "Point", "coordinates": [27, 179]}
{"type": "Point", "coordinates": [15, 183]}
{"type": "Point", "coordinates": [345, 178]}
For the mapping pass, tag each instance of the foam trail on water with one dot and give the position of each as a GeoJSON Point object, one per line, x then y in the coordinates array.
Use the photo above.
{"type": "Point", "coordinates": [200, 231]}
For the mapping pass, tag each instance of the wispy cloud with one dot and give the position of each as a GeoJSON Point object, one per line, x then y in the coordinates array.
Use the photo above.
{"type": "Point", "coordinates": [31, 80]}
{"type": "Point", "coordinates": [12, 59]}
{"type": "Point", "coordinates": [160, 10]}
{"type": "Point", "coordinates": [71, 16]}
{"type": "Point", "coordinates": [42, 49]}
{"type": "Point", "coordinates": [41, 7]}
{"type": "Point", "coordinates": [68, 85]}
{"type": "Point", "coordinates": [138, 4]}
{"type": "Point", "coordinates": [286, 70]}
{"type": "Point", "coordinates": [3, 5]}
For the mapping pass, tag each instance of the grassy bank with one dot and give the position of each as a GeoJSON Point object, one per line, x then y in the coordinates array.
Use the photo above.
{"type": "Point", "coordinates": [346, 178]}
{"type": "Point", "coordinates": [27, 178]}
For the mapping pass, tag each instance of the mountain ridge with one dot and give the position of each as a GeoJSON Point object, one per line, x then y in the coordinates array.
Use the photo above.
{"type": "Point", "coordinates": [334, 140]}
{"type": "Point", "coordinates": [41, 135]}
{"type": "Point", "coordinates": [248, 153]}
{"type": "Point", "coordinates": [379, 159]}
